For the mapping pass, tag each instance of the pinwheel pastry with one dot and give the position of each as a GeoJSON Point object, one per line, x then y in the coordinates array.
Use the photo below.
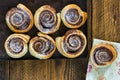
{"type": "Point", "coordinates": [42, 46]}
{"type": "Point", "coordinates": [72, 44]}
{"type": "Point", "coordinates": [103, 55]}
{"type": "Point", "coordinates": [72, 16]}
{"type": "Point", "coordinates": [16, 45]}
{"type": "Point", "coordinates": [19, 19]}
{"type": "Point", "coordinates": [47, 20]}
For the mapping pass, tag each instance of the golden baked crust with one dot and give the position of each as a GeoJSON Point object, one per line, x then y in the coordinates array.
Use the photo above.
{"type": "Point", "coordinates": [23, 9]}
{"type": "Point", "coordinates": [107, 46]}
{"type": "Point", "coordinates": [25, 40]}
{"type": "Point", "coordinates": [41, 55]}
{"type": "Point", "coordinates": [60, 42]}
{"type": "Point", "coordinates": [77, 23]}
{"type": "Point", "coordinates": [54, 22]}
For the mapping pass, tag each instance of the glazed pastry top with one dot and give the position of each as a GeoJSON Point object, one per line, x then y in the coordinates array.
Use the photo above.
{"type": "Point", "coordinates": [19, 19]}
{"type": "Point", "coordinates": [73, 42]}
{"type": "Point", "coordinates": [102, 55]}
{"type": "Point", "coordinates": [43, 45]}
{"type": "Point", "coordinates": [47, 20]}
{"type": "Point", "coordinates": [15, 45]}
{"type": "Point", "coordinates": [73, 17]}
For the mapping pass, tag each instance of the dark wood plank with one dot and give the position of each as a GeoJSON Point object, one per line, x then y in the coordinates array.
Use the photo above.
{"type": "Point", "coordinates": [89, 24]}
{"type": "Point", "coordinates": [48, 70]}
{"type": "Point", "coordinates": [4, 70]}
{"type": "Point", "coordinates": [106, 19]}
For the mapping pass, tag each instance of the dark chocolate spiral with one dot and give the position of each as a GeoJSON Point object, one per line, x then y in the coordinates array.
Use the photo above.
{"type": "Point", "coordinates": [15, 45]}
{"type": "Point", "coordinates": [47, 20]}
{"type": "Point", "coordinates": [73, 43]}
{"type": "Point", "coordinates": [102, 55]}
{"type": "Point", "coordinates": [43, 45]}
{"type": "Point", "coordinates": [18, 18]}
{"type": "Point", "coordinates": [73, 17]}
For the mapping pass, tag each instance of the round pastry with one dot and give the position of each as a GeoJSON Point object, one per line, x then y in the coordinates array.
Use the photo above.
{"type": "Point", "coordinates": [42, 46]}
{"type": "Point", "coordinates": [19, 19]}
{"type": "Point", "coordinates": [72, 16]}
{"type": "Point", "coordinates": [16, 45]}
{"type": "Point", "coordinates": [103, 55]}
{"type": "Point", "coordinates": [72, 44]}
{"type": "Point", "coordinates": [47, 20]}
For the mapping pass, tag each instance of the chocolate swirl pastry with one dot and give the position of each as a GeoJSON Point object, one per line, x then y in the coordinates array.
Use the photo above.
{"type": "Point", "coordinates": [72, 16]}
{"type": "Point", "coordinates": [72, 44]}
{"type": "Point", "coordinates": [16, 45]}
{"type": "Point", "coordinates": [42, 46]}
{"type": "Point", "coordinates": [47, 20]}
{"type": "Point", "coordinates": [19, 19]}
{"type": "Point", "coordinates": [103, 55]}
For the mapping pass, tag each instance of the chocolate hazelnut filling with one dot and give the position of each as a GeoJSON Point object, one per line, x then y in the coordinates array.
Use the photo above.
{"type": "Point", "coordinates": [73, 44]}
{"type": "Point", "coordinates": [73, 17]}
{"type": "Point", "coordinates": [47, 20]}
{"type": "Point", "coordinates": [19, 19]}
{"type": "Point", "coordinates": [15, 45]}
{"type": "Point", "coordinates": [43, 45]}
{"type": "Point", "coordinates": [102, 55]}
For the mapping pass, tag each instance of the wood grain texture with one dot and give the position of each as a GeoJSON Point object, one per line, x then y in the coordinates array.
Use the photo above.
{"type": "Point", "coordinates": [48, 69]}
{"type": "Point", "coordinates": [4, 70]}
{"type": "Point", "coordinates": [89, 24]}
{"type": "Point", "coordinates": [106, 19]}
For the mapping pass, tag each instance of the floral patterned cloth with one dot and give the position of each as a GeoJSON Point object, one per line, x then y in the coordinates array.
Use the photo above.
{"type": "Point", "coordinates": [109, 73]}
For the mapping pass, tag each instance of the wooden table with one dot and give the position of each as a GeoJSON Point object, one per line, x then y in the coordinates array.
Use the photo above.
{"type": "Point", "coordinates": [103, 23]}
